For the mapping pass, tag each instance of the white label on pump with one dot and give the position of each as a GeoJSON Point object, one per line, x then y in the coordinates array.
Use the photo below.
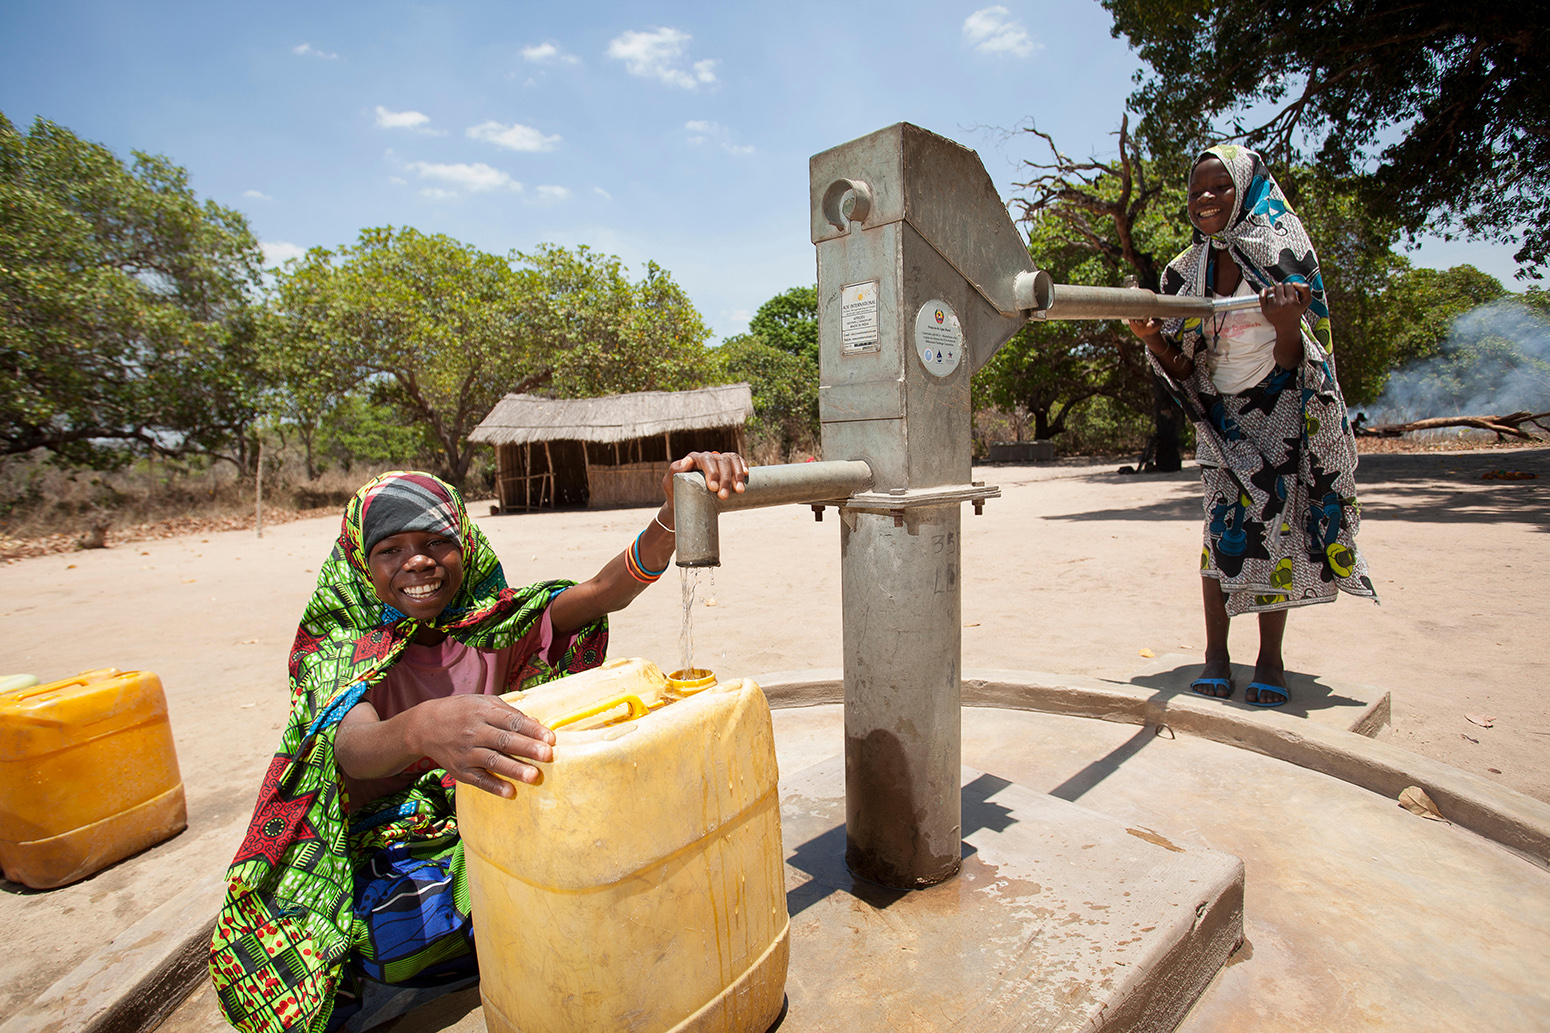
{"type": "Point", "coordinates": [858, 318]}
{"type": "Point", "coordinates": [938, 337]}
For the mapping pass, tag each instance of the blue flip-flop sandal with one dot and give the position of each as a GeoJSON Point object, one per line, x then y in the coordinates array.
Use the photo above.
{"type": "Point", "coordinates": [1212, 682]}
{"type": "Point", "coordinates": [1261, 688]}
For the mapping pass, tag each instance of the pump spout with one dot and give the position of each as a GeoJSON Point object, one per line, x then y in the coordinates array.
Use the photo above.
{"type": "Point", "coordinates": [696, 511]}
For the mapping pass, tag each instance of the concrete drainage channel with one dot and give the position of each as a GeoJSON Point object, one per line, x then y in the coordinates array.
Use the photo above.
{"type": "Point", "coordinates": [143, 974]}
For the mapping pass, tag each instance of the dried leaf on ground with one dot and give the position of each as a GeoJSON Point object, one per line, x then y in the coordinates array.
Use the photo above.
{"type": "Point", "coordinates": [1415, 800]}
{"type": "Point", "coordinates": [1147, 652]}
{"type": "Point", "coordinates": [1483, 720]}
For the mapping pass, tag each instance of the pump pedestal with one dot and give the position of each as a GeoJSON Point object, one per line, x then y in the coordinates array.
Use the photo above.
{"type": "Point", "coordinates": [1060, 919]}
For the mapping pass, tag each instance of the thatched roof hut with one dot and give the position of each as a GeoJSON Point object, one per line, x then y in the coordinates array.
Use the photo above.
{"type": "Point", "coordinates": [605, 451]}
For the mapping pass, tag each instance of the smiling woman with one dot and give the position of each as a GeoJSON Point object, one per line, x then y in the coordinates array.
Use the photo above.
{"type": "Point", "coordinates": [352, 869]}
{"type": "Point", "coordinates": [1276, 453]}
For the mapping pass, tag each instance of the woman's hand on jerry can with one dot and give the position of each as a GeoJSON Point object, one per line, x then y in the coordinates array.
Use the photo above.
{"type": "Point", "coordinates": [1284, 303]}
{"type": "Point", "coordinates": [476, 738]}
{"type": "Point", "coordinates": [725, 472]}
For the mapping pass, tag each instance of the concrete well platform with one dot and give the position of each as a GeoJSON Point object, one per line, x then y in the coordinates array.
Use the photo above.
{"type": "Point", "coordinates": [1362, 709]}
{"type": "Point", "coordinates": [1060, 919]}
{"type": "Point", "coordinates": [1357, 914]}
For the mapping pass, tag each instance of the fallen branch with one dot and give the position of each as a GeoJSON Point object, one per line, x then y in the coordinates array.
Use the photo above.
{"type": "Point", "coordinates": [1508, 424]}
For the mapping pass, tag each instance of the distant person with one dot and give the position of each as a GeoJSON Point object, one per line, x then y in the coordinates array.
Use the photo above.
{"type": "Point", "coordinates": [352, 867]}
{"type": "Point", "coordinates": [1277, 456]}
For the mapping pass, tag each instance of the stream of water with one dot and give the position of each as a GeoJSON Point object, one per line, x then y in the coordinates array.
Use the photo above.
{"type": "Point", "coordinates": [689, 580]}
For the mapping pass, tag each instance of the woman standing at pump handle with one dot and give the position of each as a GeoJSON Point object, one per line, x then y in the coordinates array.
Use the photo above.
{"type": "Point", "coordinates": [352, 868]}
{"type": "Point", "coordinates": [1276, 453]}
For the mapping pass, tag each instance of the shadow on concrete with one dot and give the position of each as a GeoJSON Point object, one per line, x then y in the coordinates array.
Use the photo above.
{"type": "Point", "coordinates": [1074, 787]}
{"type": "Point", "coordinates": [1307, 692]}
{"type": "Point", "coordinates": [823, 856]}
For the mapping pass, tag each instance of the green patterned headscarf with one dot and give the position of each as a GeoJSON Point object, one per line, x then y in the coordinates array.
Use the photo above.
{"type": "Point", "coordinates": [287, 925]}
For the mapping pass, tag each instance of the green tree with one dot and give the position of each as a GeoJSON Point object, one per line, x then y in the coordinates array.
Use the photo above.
{"type": "Point", "coordinates": [1440, 108]}
{"type": "Point", "coordinates": [433, 324]}
{"type": "Point", "coordinates": [1417, 312]}
{"type": "Point", "coordinates": [312, 369]}
{"type": "Point", "coordinates": [440, 330]}
{"type": "Point", "coordinates": [789, 321]}
{"type": "Point", "coordinates": [656, 343]}
{"type": "Point", "coordinates": [360, 428]}
{"type": "Point", "coordinates": [126, 307]}
{"type": "Point", "coordinates": [785, 391]}
{"type": "Point", "coordinates": [1097, 223]}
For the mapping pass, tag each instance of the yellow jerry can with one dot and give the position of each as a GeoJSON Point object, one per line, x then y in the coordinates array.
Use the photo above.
{"type": "Point", "coordinates": [640, 885]}
{"type": "Point", "coordinates": [88, 775]}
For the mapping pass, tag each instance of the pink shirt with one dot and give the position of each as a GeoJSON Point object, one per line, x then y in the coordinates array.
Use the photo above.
{"type": "Point", "coordinates": [449, 668]}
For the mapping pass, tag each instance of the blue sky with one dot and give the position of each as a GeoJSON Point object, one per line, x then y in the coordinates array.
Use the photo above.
{"type": "Point", "coordinates": [678, 132]}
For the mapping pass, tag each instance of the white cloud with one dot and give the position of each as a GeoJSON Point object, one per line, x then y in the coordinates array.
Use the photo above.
{"type": "Point", "coordinates": [257, 195]}
{"type": "Point", "coordinates": [402, 120]}
{"type": "Point", "coordinates": [715, 132]}
{"type": "Point", "coordinates": [993, 30]}
{"type": "Point", "coordinates": [276, 252]}
{"type": "Point", "coordinates": [398, 181]}
{"type": "Point", "coordinates": [513, 137]}
{"type": "Point", "coordinates": [438, 194]}
{"type": "Point", "coordinates": [475, 178]}
{"type": "Point", "coordinates": [660, 54]}
{"type": "Point", "coordinates": [308, 50]}
{"type": "Point", "coordinates": [600, 192]}
{"type": "Point", "coordinates": [553, 193]}
{"type": "Point", "coordinates": [548, 53]}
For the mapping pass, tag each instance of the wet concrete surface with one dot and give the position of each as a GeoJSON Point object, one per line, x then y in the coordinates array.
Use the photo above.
{"type": "Point", "coordinates": [1357, 914]}
{"type": "Point", "coordinates": [1060, 918]}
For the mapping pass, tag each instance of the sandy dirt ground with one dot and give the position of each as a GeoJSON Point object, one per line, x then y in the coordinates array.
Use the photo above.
{"type": "Point", "coordinates": [1074, 570]}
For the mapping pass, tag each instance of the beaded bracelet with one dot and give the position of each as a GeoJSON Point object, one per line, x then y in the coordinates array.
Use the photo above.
{"type": "Point", "coordinates": [638, 569]}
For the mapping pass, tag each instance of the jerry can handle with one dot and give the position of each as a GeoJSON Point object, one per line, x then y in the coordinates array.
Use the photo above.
{"type": "Point", "coordinates": [637, 709]}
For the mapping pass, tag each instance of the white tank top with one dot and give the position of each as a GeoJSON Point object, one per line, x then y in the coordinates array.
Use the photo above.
{"type": "Point", "coordinates": [1240, 346]}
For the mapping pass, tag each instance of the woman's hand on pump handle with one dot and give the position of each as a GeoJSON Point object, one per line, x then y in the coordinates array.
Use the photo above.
{"type": "Point", "coordinates": [1150, 332]}
{"type": "Point", "coordinates": [1284, 304]}
{"type": "Point", "coordinates": [1169, 355]}
{"type": "Point", "coordinates": [725, 473]}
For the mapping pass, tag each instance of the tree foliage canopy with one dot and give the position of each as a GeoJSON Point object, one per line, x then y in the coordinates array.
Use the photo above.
{"type": "Point", "coordinates": [778, 357]}
{"type": "Point", "coordinates": [440, 330]}
{"type": "Point", "coordinates": [620, 336]}
{"type": "Point", "coordinates": [789, 321]}
{"type": "Point", "coordinates": [785, 391]}
{"type": "Point", "coordinates": [1441, 109]}
{"type": "Point", "coordinates": [126, 316]}
{"type": "Point", "coordinates": [1097, 223]}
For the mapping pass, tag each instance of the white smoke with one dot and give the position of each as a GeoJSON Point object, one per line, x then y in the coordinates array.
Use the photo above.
{"type": "Point", "coordinates": [1496, 360]}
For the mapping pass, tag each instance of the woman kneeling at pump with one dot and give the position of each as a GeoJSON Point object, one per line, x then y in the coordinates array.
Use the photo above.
{"type": "Point", "coordinates": [1277, 456]}
{"type": "Point", "coordinates": [352, 868]}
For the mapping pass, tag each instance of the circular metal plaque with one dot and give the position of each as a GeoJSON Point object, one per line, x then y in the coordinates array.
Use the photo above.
{"type": "Point", "coordinates": [938, 338]}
